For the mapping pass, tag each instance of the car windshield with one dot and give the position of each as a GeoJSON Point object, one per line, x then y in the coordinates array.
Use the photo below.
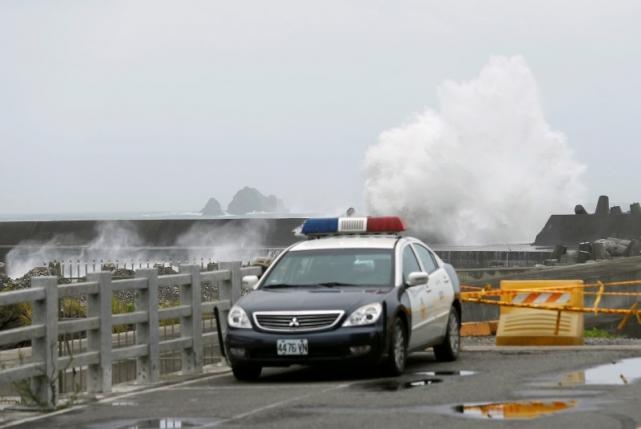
{"type": "Point", "coordinates": [332, 268]}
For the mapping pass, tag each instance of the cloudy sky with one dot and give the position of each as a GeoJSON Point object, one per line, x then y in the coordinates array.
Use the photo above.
{"type": "Point", "coordinates": [133, 106]}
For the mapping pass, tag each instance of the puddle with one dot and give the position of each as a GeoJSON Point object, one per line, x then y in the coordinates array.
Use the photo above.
{"type": "Point", "coordinates": [427, 378]}
{"type": "Point", "coordinates": [124, 404]}
{"type": "Point", "coordinates": [616, 373]}
{"type": "Point", "coordinates": [162, 424]}
{"type": "Point", "coordinates": [424, 382]}
{"type": "Point", "coordinates": [515, 410]}
{"type": "Point", "coordinates": [446, 373]}
{"type": "Point", "coordinates": [159, 423]}
{"type": "Point", "coordinates": [395, 385]}
{"type": "Point", "coordinates": [509, 410]}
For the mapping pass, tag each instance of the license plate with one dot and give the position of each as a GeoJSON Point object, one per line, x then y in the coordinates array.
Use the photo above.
{"type": "Point", "coordinates": [292, 347]}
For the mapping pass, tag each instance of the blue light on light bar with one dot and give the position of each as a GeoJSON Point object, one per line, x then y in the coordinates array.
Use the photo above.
{"type": "Point", "coordinates": [320, 226]}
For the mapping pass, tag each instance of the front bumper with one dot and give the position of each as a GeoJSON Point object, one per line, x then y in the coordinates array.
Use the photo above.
{"type": "Point", "coordinates": [258, 347]}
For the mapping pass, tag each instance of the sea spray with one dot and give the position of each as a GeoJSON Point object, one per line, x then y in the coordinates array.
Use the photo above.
{"type": "Point", "coordinates": [120, 242]}
{"type": "Point", "coordinates": [485, 167]}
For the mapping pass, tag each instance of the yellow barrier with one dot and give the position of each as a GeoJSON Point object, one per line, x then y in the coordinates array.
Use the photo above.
{"type": "Point", "coordinates": [483, 295]}
{"type": "Point", "coordinates": [530, 322]}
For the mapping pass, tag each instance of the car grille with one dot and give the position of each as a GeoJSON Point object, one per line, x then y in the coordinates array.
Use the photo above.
{"type": "Point", "coordinates": [298, 321]}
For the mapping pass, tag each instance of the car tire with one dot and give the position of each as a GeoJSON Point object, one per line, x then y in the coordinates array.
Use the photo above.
{"type": "Point", "coordinates": [246, 372]}
{"type": "Point", "coordinates": [449, 349]}
{"type": "Point", "coordinates": [397, 352]}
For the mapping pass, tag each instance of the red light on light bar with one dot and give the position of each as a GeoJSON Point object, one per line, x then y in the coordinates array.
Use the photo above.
{"type": "Point", "coordinates": [385, 224]}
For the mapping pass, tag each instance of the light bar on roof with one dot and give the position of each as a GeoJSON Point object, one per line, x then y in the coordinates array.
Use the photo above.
{"type": "Point", "coordinates": [385, 224]}
{"type": "Point", "coordinates": [353, 225]}
{"type": "Point", "coordinates": [319, 226]}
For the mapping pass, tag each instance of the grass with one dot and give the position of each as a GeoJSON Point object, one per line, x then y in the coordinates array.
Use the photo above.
{"type": "Point", "coordinates": [597, 333]}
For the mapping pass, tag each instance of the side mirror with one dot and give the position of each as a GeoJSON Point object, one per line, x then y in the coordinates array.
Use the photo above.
{"type": "Point", "coordinates": [250, 282]}
{"type": "Point", "coordinates": [417, 278]}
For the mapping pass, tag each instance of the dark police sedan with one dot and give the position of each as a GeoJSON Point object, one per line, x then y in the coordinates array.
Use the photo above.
{"type": "Point", "coordinates": [356, 291]}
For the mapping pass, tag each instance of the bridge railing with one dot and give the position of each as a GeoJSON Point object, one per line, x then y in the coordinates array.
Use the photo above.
{"type": "Point", "coordinates": [98, 354]}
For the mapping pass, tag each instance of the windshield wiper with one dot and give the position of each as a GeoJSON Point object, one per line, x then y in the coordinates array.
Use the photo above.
{"type": "Point", "coordinates": [332, 284]}
{"type": "Point", "coordinates": [278, 285]}
{"type": "Point", "coordinates": [324, 284]}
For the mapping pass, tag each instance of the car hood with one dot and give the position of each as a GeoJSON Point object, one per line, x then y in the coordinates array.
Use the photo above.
{"type": "Point", "coordinates": [346, 299]}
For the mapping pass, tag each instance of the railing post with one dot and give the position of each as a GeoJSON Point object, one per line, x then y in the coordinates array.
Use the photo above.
{"type": "Point", "coordinates": [148, 367]}
{"type": "Point", "coordinates": [228, 290]}
{"type": "Point", "coordinates": [100, 340]}
{"type": "Point", "coordinates": [233, 285]}
{"type": "Point", "coordinates": [45, 349]}
{"type": "Point", "coordinates": [191, 326]}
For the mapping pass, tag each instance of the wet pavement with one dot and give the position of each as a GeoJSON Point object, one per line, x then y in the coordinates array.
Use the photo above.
{"type": "Point", "coordinates": [528, 388]}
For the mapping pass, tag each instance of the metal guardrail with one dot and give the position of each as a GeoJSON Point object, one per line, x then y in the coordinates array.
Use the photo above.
{"type": "Point", "coordinates": [98, 354]}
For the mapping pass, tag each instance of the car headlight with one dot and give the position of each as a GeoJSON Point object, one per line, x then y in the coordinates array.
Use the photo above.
{"type": "Point", "coordinates": [365, 315]}
{"type": "Point", "coordinates": [237, 318]}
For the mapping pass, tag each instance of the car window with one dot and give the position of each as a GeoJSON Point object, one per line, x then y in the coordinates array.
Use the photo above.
{"type": "Point", "coordinates": [410, 264]}
{"type": "Point", "coordinates": [365, 267]}
{"type": "Point", "coordinates": [426, 257]}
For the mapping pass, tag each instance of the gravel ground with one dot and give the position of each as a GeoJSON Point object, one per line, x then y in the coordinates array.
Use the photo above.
{"type": "Point", "coordinates": [614, 341]}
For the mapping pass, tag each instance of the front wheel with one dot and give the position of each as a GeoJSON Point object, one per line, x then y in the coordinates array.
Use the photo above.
{"type": "Point", "coordinates": [246, 372]}
{"type": "Point", "coordinates": [449, 349]}
{"type": "Point", "coordinates": [397, 352]}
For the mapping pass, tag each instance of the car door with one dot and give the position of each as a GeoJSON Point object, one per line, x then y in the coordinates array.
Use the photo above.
{"type": "Point", "coordinates": [442, 293]}
{"type": "Point", "coordinates": [420, 297]}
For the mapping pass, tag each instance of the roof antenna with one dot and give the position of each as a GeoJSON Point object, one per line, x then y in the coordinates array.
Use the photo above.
{"type": "Point", "coordinates": [350, 211]}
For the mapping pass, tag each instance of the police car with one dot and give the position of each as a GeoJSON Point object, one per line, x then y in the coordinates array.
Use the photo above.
{"type": "Point", "coordinates": [355, 291]}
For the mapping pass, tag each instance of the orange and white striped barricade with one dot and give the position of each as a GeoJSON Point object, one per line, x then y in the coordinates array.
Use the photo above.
{"type": "Point", "coordinates": [537, 317]}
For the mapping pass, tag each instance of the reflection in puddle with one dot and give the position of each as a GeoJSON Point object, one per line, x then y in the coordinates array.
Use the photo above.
{"type": "Point", "coordinates": [622, 372]}
{"type": "Point", "coordinates": [124, 404]}
{"type": "Point", "coordinates": [515, 410]}
{"type": "Point", "coordinates": [446, 373]}
{"type": "Point", "coordinates": [162, 424]}
{"type": "Point", "coordinates": [159, 423]}
{"type": "Point", "coordinates": [424, 382]}
{"type": "Point", "coordinates": [394, 385]}
{"type": "Point", "coordinates": [427, 378]}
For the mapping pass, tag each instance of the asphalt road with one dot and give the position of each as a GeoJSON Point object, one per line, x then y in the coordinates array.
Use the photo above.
{"type": "Point", "coordinates": [332, 398]}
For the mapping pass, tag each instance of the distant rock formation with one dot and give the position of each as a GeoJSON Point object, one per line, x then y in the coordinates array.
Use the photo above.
{"type": "Point", "coordinates": [250, 200]}
{"type": "Point", "coordinates": [212, 208]}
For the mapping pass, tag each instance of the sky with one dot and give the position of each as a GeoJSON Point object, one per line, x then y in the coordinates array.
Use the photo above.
{"type": "Point", "coordinates": [143, 106]}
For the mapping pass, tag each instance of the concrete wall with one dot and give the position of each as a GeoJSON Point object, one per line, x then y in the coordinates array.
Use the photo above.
{"type": "Point", "coordinates": [275, 233]}
{"type": "Point", "coordinates": [480, 258]}
{"type": "Point", "coordinates": [574, 229]}
{"type": "Point", "coordinates": [154, 233]}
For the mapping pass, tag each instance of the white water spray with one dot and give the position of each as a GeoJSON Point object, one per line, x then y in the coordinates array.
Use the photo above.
{"type": "Point", "coordinates": [120, 242]}
{"type": "Point", "coordinates": [483, 168]}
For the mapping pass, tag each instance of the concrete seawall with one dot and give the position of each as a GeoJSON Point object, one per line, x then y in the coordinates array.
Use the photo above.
{"type": "Point", "coordinates": [574, 229]}
{"type": "Point", "coordinates": [173, 239]}
{"type": "Point", "coordinates": [151, 233]}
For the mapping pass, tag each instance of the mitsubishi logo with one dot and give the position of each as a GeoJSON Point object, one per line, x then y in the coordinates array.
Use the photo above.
{"type": "Point", "coordinates": [294, 323]}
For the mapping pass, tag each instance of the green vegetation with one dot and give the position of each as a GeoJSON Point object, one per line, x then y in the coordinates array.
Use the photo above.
{"type": "Point", "coordinates": [118, 306]}
{"type": "Point", "coordinates": [168, 304]}
{"type": "Point", "coordinates": [16, 315]}
{"type": "Point", "coordinates": [72, 308]}
{"type": "Point", "coordinates": [597, 333]}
